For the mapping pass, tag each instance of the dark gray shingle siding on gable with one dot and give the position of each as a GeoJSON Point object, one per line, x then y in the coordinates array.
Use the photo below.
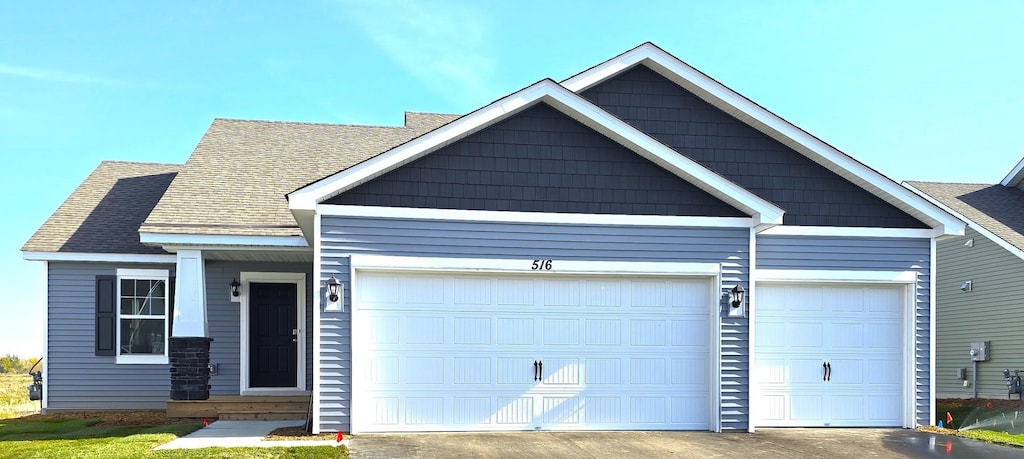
{"type": "Point", "coordinates": [539, 160]}
{"type": "Point", "coordinates": [809, 193]}
{"type": "Point", "coordinates": [865, 254]}
{"type": "Point", "coordinates": [342, 237]}
{"type": "Point", "coordinates": [76, 378]}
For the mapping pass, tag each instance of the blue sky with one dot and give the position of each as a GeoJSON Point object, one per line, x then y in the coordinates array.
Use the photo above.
{"type": "Point", "coordinates": [918, 90]}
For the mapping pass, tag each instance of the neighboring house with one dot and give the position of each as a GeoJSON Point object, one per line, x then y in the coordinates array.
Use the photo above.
{"type": "Point", "coordinates": [572, 256]}
{"type": "Point", "coordinates": [975, 278]}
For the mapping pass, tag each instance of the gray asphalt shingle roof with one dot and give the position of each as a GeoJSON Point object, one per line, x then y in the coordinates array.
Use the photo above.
{"type": "Point", "coordinates": [234, 183]}
{"type": "Point", "coordinates": [103, 214]}
{"type": "Point", "coordinates": [998, 209]}
{"type": "Point", "coordinates": [236, 179]}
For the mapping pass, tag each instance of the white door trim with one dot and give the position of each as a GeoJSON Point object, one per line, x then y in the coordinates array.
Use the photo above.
{"type": "Point", "coordinates": [712, 271]}
{"type": "Point", "coordinates": [906, 278]}
{"type": "Point", "coordinates": [299, 279]}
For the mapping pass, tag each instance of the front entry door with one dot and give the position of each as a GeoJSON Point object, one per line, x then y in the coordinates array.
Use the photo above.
{"type": "Point", "coordinates": [272, 338]}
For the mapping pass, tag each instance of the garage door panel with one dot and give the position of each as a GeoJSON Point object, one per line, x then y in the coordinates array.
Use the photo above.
{"type": "Point", "coordinates": [468, 364]}
{"type": "Point", "coordinates": [856, 329]}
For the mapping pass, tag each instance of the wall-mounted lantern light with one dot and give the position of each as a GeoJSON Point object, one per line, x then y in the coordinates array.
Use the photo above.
{"type": "Point", "coordinates": [332, 289]}
{"type": "Point", "coordinates": [333, 294]}
{"type": "Point", "coordinates": [737, 302]}
{"type": "Point", "coordinates": [736, 296]}
{"type": "Point", "coordinates": [234, 287]}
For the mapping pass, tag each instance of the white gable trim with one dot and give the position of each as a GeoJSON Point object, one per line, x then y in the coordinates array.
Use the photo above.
{"type": "Point", "coordinates": [567, 102]}
{"type": "Point", "coordinates": [1014, 178]}
{"type": "Point", "coordinates": [533, 217]}
{"type": "Point", "coordinates": [974, 225]}
{"type": "Point", "coordinates": [758, 117]}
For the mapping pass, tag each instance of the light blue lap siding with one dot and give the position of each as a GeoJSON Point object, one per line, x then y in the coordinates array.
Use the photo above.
{"type": "Point", "coordinates": [76, 378]}
{"type": "Point", "coordinates": [866, 254]}
{"type": "Point", "coordinates": [341, 237]}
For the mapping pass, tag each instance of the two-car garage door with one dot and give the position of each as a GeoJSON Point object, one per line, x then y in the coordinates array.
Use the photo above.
{"type": "Point", "coordinates": [446, 352]}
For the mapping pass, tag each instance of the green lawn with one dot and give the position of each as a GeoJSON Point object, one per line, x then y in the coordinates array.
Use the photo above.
{"type": "Point", "coordinates": [84, 438]}
{"type": "Point", "coordinates": [14, 400]}
{"type": "Point", "coordinates": [964, 416]}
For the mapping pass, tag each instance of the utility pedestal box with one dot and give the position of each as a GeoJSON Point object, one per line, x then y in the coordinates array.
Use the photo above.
{"type": "Point", "coordinates": [979, 351]}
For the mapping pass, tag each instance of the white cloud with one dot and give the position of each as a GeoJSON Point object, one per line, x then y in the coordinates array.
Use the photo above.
{"type": "Point", "coordinates": [57, 76]}
{"type": "Point", "coordinates": [444, 45]}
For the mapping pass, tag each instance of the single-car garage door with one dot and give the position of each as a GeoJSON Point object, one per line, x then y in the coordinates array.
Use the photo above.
{"type": "Point", "coordinates": [444, 352]}
{"type": "Point", "coordinates": [829, 355]}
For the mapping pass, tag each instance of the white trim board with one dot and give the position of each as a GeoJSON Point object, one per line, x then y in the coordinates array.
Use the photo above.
{"type": "Point", "coordinates": [567, 102]}
{"type": "Point", "coordinates": [98, 257]}
{"type": "Point", "coordinates": [299, 279]}
{"type": "Point", "coordinates": [769, 123]}
{"type": "Point", "coordinates": [533, 217]}
{"type": "Point", "coordinates": [974, 225]}
{"type": "Point", "coordinates": [1014, 178]}
{"type": "Point", "coordinates": [171, 239]}
{"type": "Point", "coordinates": [813, 275]}
{"type": "Point", "coordinates": [846, 231]}
{"type": "Point", "coordinates": [387, 263]}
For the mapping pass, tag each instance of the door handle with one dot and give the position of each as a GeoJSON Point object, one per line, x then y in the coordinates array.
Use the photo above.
{"type": "Point", "coordinates": [540, 375]}
{"type": "Point", "coordinates": [824, 371]}
{"type": "Point", "coordinates": [536, 371]}
{"type": "Point", "coordinates": [829, 372]}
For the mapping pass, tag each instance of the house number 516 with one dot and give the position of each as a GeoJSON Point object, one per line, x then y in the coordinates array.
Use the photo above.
{"type": "Point", "coordinates": [544, 265]}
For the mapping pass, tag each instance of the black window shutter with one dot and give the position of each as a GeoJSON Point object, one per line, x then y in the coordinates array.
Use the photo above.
{"type": "Point", "coordinates": [106, 315]}
{"type": "Point", "coordinates": [170, 307]}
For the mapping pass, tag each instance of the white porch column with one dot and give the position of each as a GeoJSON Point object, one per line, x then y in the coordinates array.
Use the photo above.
{"type": "Point", "coordinates": [190, 296]}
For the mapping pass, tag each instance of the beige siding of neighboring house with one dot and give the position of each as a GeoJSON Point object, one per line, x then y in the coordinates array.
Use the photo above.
{"type": "Point", "coordinates": [990, 312]}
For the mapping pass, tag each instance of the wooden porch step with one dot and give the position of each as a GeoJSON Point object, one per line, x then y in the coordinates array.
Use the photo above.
{"type": "Point", "coordinates": [241, 407]}
{"type": "Point", "coordinates": [262, 415]}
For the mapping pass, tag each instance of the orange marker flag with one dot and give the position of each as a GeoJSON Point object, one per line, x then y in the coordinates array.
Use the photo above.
{"type": "Point", "coordinates": [341, 436]}
{"type": "Point", "coordinates": [949, 417]}
{"type": "Point", "coordinates": [206, 421]}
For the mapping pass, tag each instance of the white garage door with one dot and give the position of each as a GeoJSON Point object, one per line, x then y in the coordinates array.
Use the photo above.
{"type": "Point", "coordinates": [829, 355]}
{"type": "Point", "coordinates": [441, 352]}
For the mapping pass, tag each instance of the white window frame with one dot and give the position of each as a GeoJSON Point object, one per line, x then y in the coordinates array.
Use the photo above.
{"type": "Point", "coordinates": [143, 274]}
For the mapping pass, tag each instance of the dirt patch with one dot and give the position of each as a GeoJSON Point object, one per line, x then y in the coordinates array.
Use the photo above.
{"type": "Point", "coordinates": [995, 403]}
{"type": "Point", "coordinates": [119, 418]}
{"type": "Point", "coordinates": [298, 433]}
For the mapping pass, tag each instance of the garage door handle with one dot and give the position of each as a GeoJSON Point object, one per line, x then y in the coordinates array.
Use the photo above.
{"type": "Point", "coordinates": [824, 371]}
{"type": "Point", "coordinates": [536, 370]}
{"type": "Point", "coordinates": [829, 372]}
{"type": "Point", "coordinates": [540, 371]}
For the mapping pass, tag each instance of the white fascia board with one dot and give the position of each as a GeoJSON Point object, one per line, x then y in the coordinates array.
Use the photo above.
{"type": "Point", "coordinates": [846, 231]}
{"type": "Point", "coordinates": [760, 118]}
{"type": "Point", "coordinates": [192, 240]}
{"type": "Point", "coordinates": [971, 223]}
{"type": "Point", "coordinates": [1014, 178]}
{"type": "Point", "coordinates": [567, 102]}
{"type": "Point", "coordinates": [388, 263]}
{"type": "Point", "coordinates": [815, 275]}
{"type": "Point", "coordinates": [532, 217]}
{"type": "Point", "coordinates": [98, 257]}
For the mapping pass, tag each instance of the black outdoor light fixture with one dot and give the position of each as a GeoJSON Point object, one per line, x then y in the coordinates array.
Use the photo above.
{"type": "Point", "coordinates": [332, 289]}
{"type": "Point", "coordinates": [736, 296]}
{"type": "Point", "coordinates": [234, 287]}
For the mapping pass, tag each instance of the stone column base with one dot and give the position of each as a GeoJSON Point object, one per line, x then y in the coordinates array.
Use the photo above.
{"type": "Point", "coordinates": [190, 368]}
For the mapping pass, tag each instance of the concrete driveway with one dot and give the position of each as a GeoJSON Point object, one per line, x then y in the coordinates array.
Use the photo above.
{"type": "Point", "coordinates": [766, 443]}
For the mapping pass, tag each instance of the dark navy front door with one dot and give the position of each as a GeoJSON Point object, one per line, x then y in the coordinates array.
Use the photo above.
{"type": "Point", "coordinates": [272, 339]}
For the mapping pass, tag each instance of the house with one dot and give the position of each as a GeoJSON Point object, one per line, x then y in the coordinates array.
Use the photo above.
{"type": "Point", "coordinates": [975, 277]}
{"type": "Point", "coordinates": [636, 247]}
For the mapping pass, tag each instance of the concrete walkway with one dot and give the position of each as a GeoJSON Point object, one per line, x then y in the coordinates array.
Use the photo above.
{"type": "Point", "coordinates": [235, 434]}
